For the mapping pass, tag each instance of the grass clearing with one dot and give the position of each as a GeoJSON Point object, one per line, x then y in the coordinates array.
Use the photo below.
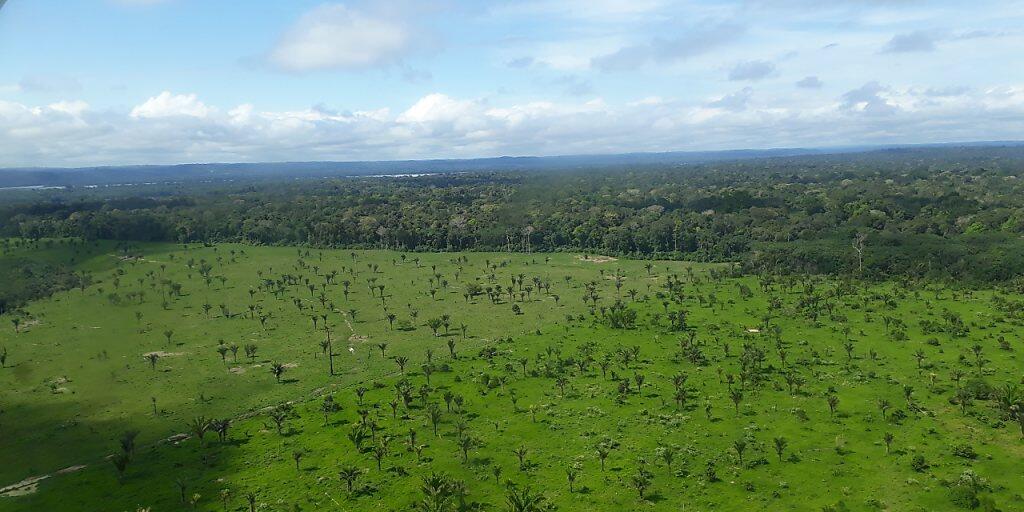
{"type": "Point", "coordinates": [639, 406]}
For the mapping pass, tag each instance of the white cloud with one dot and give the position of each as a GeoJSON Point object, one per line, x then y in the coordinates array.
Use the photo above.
{"type": "Point", "coordinates": [73, 108]}
{"type": "Point", "coordinates": [171, 105]}
{"type": "Point", "coordinates": [436, 107]}
{"type": "Point", "coordinates": [180, 128]}
{"type": "Point", "coordinates": [333, 36]}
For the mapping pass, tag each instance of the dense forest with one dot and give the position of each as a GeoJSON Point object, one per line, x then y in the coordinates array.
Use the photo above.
{"type": "Point", "coordinates": [926, 212]}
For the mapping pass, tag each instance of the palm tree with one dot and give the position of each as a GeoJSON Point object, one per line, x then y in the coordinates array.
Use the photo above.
{"type": "Point", "coordinates": [152, 357]}
{"type": "Point", "coordinates": [465, 444]}
{"type": "Point", "coordinates": [602, 454]}
{"type": "Point", "coordinates": [401, 361]}
{"type": "Point", "coordinates": [328, 406]}
{"type": "Point", "coordinates": [833, 401]}
{"type": "Point", "coordinates": [780, 446]}
{"type": "Point", "coordinates": [737, 396]}
{"type": "Point", "coordinates": [379, 452]}
{"type": "Point", "coordinates": [571, 473]}
{"type": "Point", "coordinates": [740, 446]}
{"type": "Point", "coordinates": [520, 453]}
{"type": "Point", "coordinates": [889, 437]}
{"type": "Point", "coordinates": [883, 406]}
{"type": "Point", "coordinates": [383, 347]}
{"type": "Point", "coordinates": [434, 324]}
{"type": "Point", "coordinates": [438, 491]}
{"type": "Point", "coordinates": [640, 481]}
{"type": "Point", "coordinates": [349, 474]}
{"type": "Point", "coordinates": [120, 462]}
{"type": "Point", "coordinates": [250, 497]}
{"type": "Point", "coordinates": [182, 486]}
{"type": "Point", "coordinates": [198, 427]}
{"type": "Point", "coordinates": [297, 456]}
{"type": "Point", "coordinates": [278, 370]}
{"type": "Point", "coordinates": [278, 415]}
{"type": "Point", "coordinates": [525, 500]}
{"type": "Point", "coordinates": [434, 413]}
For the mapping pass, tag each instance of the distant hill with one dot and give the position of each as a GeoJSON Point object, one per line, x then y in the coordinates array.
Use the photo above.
{"type": "Point", "coordinates": [200, 172]}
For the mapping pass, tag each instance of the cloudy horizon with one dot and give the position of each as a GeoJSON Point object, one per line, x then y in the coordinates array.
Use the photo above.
{"type": "Point", "coordinates": [108, 82]}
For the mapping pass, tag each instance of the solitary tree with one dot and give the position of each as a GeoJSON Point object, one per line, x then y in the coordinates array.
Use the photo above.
{"type": "Point", "coordinates": [780, 446]}
{"type": "Point", "coordinates": [349, 474]}
{"type": "Point", "coordinates": [278, 370]}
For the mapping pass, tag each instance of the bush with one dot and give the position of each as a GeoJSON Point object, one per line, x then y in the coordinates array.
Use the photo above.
{"type": "Point", "coordinates": [965, 450]}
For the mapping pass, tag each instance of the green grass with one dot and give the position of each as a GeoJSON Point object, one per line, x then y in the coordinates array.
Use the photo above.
{"type": "Point", "coordinates": [98, 346]}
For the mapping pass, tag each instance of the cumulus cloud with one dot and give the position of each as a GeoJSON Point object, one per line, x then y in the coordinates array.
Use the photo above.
{"type": "Point", "coordinates": [735, 102]}
{"type": "Point", "coordinates": [751, 70]}
{"type": "Point", "coordinates": [171, 105]}
{"type": "Point", "coordinates": [869, 99]}
{"type": "Point", "coordinates": [334, 36]}
{"type": "Point", "coordinates": [693, 42]}
{"type": "Point", "coordinates": [174, 128]}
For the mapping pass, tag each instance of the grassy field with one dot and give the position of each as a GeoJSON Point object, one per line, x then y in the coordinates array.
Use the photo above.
{"type": "Point", "coordinates": [679, 408]}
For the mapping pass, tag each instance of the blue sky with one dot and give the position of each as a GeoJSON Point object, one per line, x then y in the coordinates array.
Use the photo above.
{"type": "Point", "coordinates": [86, 82]}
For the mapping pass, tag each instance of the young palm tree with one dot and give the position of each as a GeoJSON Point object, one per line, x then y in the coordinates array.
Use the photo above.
{"type": "Point", "coordinates": [349, 474]}
{"type": "Point", "coordinates": [520, 454]}
{"type": "Point", "coordinates": [379, 452]}
{"type": "Point", "coordinates": [740, 446]}
{"type": "Point", "coordinates": [120, 462]}
{"type": "Point", "coordinates": [780, 446]}
{"type": "Point", "coordinates": [737, 397]}
{"type": "Point", "coordinates": [278, 415]}
{"type": "Point", "coordinates": [883, 406]}
{"type": "Point", "coordinates": [199, 427]}
{"type": "Point", "coordinates": [466, 443]}
{"type": "Point", "coordinates": [640, 481]}
{"type": "Point", "coordinates": [572, 473]}
{"type": "Point", "coordinates": [434, 413]}
{"type": "Point", "coordinates": [525, 500]}
{"type": "Point", "coordinates": [278, 370]}
{"type": "Point", "coordinates": [602, 454]}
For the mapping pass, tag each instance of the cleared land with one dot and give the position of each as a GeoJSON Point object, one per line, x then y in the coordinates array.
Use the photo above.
{"type": "Point", "coordinates": [699, 390]}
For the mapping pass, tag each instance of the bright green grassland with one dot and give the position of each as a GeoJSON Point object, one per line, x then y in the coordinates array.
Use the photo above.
{"type": "Point", "coordinates": [76, 378]}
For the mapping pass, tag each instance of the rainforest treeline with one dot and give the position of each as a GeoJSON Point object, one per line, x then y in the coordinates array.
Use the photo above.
{"type": "Point", "coordinates": [954, 213]}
